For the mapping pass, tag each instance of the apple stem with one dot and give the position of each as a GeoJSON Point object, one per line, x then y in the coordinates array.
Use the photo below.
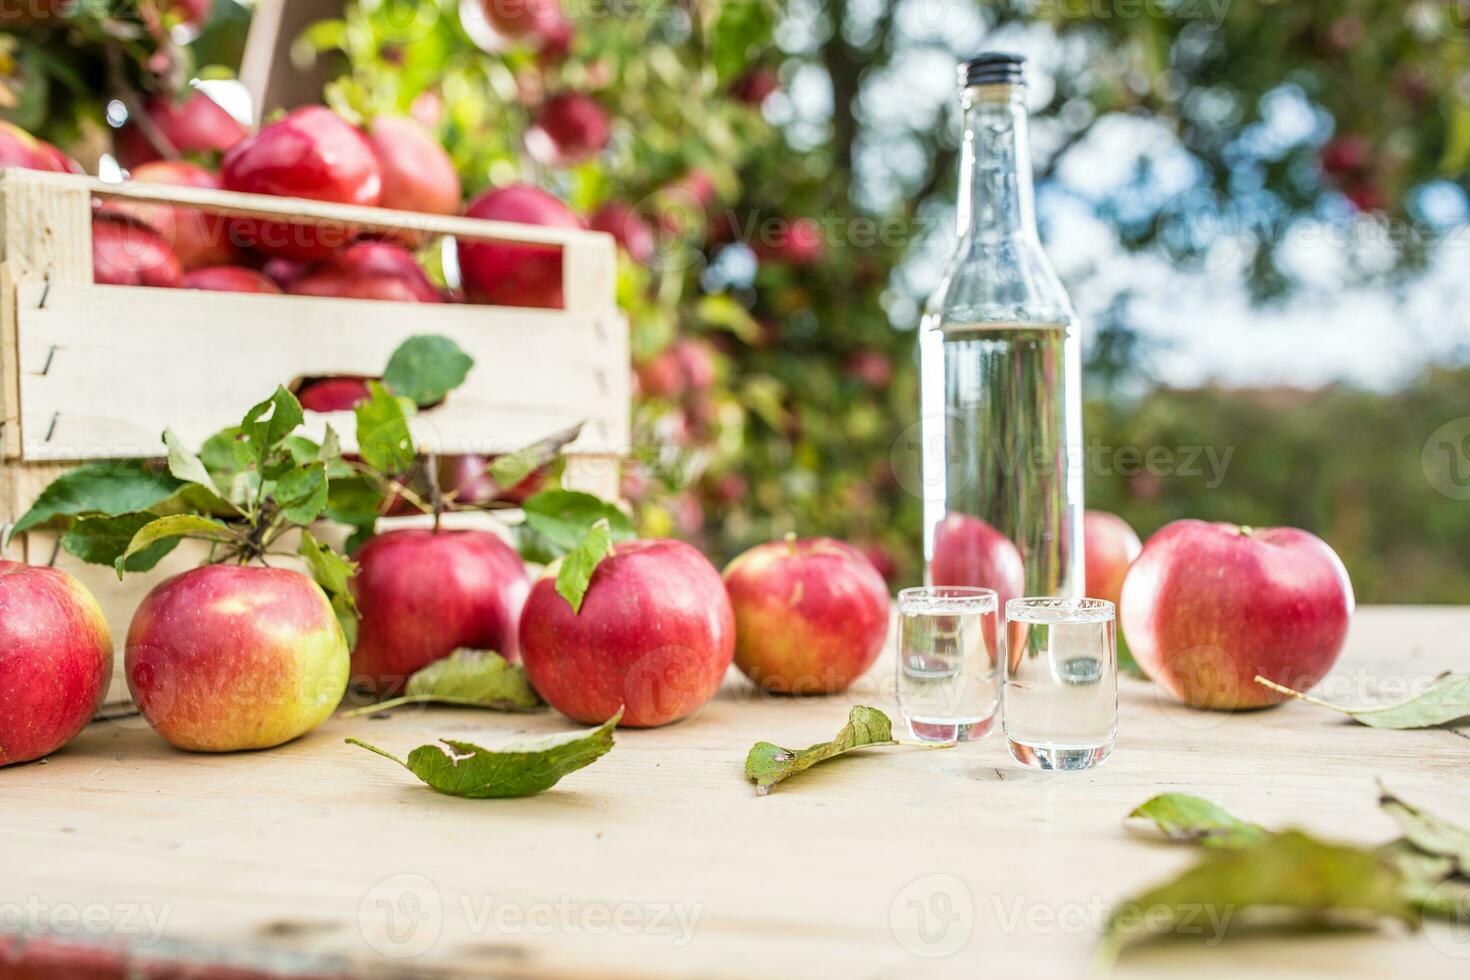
{"type": "Point", "coordinates": [1280, 689]}
{"type": "Point", "coordinates": [791, 542]}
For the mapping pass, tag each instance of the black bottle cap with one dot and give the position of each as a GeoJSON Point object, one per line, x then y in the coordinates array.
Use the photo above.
{"type": "Point", "coordinates": [993, 68]}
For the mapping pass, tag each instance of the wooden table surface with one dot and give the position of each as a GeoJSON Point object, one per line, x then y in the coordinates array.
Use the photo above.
{"type": "Point", "coordinates": [660, 860]}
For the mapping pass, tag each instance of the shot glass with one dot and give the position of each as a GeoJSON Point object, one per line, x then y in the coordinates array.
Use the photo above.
{"type": "Point", "coordinates": [949, 662]}
{"type": "Point", "coordinates": [1061, 682]}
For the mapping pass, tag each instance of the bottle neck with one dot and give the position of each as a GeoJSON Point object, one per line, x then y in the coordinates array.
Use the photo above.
{"type": "Point", "coordinates": [995, 198]}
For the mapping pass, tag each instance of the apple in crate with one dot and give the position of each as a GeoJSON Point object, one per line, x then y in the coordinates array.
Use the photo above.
{"type": "Point", "coordinates": [655, 635]}
{"type": "Point", "coordinates": [194, 125]}
{"type": "Point", "coordinates": [55, 660]}
{"type": "Point", "coordinates": [334, 394]}
{"type": "Point", "coordinates": [127, 252]}
{"type": "Point", "coordinates": [418, 175]}
{"type": "Point", "coordinates": [19, 148]}
{"type": "Point", "coordinates": [810, 616]}
{"type": "Point", "coordinates": [229, 657]}
{"type": "Point", "coordinates": [511, 274]}
{"type": "Point", "coordinates": [1207, 607]}
{"type": "Point", "coordinates": [1110, 546]}
{"type": "Point", "coordinates": [369, 270]}
{"type": "Point", "coordinates": [197, 239]}
{"type": "Point", "coordinates": [230, 279]}
{"type": "Point", "coordinates": [971, 552]}
{"type": "Point", "coordinates": [423, 594]}
{"type": "Point", "coordinates": [313, 153]}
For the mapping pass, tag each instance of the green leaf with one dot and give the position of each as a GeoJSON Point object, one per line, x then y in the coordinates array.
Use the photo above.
{"type": "Point", "coordinates": [1192, 818]}
{"type": "Point", "coordinates": [301, 493]}
{"type": "Point", "coordinates": [737, 30]}
{"type": "Point", "coordinates": [523, 769]}
{"type": "Point", "coordinates": [575, 573]}
{"type": "Point", "coordinates": [103, 540]}
{"type": "Point", "coordinates": [510, 469]}
{"type": "Point", "coordinates": [1445, 701]}
{"type": "Point", "coordinates": [723, 310]}
{"type": "Point", "coordinates": [334, 574]}
{"type": "Point", "coordinates": [1429, 833]}
{"type": "Point", "coordinates": [183, 464]}
{"type": "Point", "coordinates": [267, 424]}
{"type": "Point", "coordinates": [472, 678]}
{"type": "Point", "coordinates": [353, 500]}
{"type": "Point", "coordinates": [425, 369]}
{"type": "Point", "coordinates": [768, 764]}
{"type": "Point", "coordinates": [108, 489]}
{"type": "Point", "coordinates": [1289, 872]}
{"type": "Point", "coordinates": [383, 437]}
{"type": "Point", "coordinates": [174, 527]}
{"type": "Point", "coordinates": [562, 518]}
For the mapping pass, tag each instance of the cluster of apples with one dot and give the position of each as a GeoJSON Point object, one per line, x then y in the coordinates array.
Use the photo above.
{"type": "Point", "coordinates": [1204, 607]}
{"type": "Point", "coordinates": [655, 633]}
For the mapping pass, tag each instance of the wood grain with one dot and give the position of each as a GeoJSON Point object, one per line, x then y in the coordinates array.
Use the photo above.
{"type": "Point", "coordinates": [293, 852]}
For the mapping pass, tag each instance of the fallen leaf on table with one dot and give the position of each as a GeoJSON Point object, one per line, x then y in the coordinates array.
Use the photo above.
{"type": "Point", "coordinates": [1193, 818]}
{"type": "Point", "coordinates": [523, 769]}
{"type": "Point", "coordinates": [1289, 872]}
{"type": "Point", "coordinates": [469, 678]}
{"type": "Point", "coordinates": [1446, 700]}
{"type": "Point", "coordinates": [1429, 833]}
{"type": "Point", "coordinates": [768, 764]}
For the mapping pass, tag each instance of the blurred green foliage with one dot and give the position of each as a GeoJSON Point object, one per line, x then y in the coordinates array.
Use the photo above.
{"type": "Point", "coordinates": [1346, 464]}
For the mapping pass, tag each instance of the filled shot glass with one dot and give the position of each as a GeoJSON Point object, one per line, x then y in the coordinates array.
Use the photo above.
{"type": "Point", "coordinates": [949, 662]}
{"type": "Point", "coordinates": [1061, 682]}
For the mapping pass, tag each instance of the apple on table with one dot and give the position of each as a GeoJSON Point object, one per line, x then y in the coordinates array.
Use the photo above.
{"type": "Point", "coordinates": [1209, 606]}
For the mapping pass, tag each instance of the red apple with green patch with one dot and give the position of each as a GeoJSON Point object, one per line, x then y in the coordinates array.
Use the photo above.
{"type": "Point", "coordinates": [1207, 607]}
{"type": "Point", "coordinates": [423, 594]}
{"type": "Point", "coordinates": [810, 616]}
{"type": "Point", "coordinates": [230, 657]}
{"type": "Point", "coordinates": [55, 660]}
{"type": "Point", "coordinates": [1110, 545]}
{"type": "Point", "coordinates": [655, 634]}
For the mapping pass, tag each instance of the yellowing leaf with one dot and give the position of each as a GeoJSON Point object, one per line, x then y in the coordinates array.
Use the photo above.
{"type": "Point", "coordinates": [1446, 700]}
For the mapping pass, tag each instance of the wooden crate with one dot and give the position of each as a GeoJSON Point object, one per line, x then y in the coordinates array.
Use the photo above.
{"type": "Point", "coordinates": [92, 372]}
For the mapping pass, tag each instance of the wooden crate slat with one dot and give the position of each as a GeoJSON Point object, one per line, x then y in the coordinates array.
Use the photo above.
{"type": "Point", "coordinates": [104, 369]}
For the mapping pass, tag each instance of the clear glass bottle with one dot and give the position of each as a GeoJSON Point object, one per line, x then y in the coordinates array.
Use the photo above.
{"type": "Point", "coordinates": [1001, 381]}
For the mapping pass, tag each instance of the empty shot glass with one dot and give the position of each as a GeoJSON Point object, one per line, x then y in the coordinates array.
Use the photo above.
{"type": "Point", "coordinates": [1061, 682]}
{"type": "Point", "coordinates": [949, 662]}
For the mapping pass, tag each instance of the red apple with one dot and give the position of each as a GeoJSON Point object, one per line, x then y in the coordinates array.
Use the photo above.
{"type": "Point", "coordinates": [697, 362]}
{"type": "Point", "coordinates": [519, 18]}
{"type": "Point", "coordinates": [798, 243]}
{"type": "Point", "coordinates": [630, 228]}
{"type": "Point", "coordinates": [197, 238]}
{"type": "Point", "coordinates": [313, 153]}
{"type": "Point", "coordinates": [19, 148]}
{"type": "Point", "coordinates": [655, 635]}
{"type": "Point", "coordinates": [334, 394]}
{"type": "Point", "coordinates": [871, 367]}
{"type": "Point", "coordinates": [283, 272]}
{"type": "Point", "coordinates": [369, 270]}
{"type": "Point", "coordinates": [1109, 547]}
{"type": "Point", "coordinates": [1207, 607]}
{"type": "Point", "coordinates": [424, 594]}
{"type": "Point", "coordinates": [230, 279]}
{"type": "Point", "coordinates": [661, 376]}
{"type": "Point", "coordinates": [810, 616]}
{"type": "Point", "coordinates": [418, 174]}
{"type": "Point", "coordinates": [468, 478]}
{"type": "Point", "coordinates": [127, 252]}
{"type": "Point", "coordinates": [55, 660]}
{"type": "Point", "coordinates": [194, 125]}
{"type": "Point", "coordinates": [515, 274]}
{"type": "Point", "coordinates": [971, 552]}
{"type": "Point", "coordinates": [570, 129]}
{"type": "Point", "coordinates": [756, 85]}
{"type": "Point", "coordinates": [230, 657]}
